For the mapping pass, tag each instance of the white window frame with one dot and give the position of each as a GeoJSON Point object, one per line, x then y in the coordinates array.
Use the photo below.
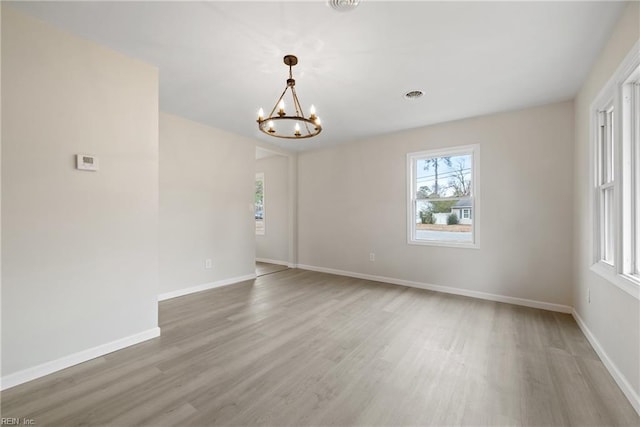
{"type": "Point", "coordinates": [606, 183]}
{"type": "Point", "coordinates": [622, 94]}
{"type": "Point", "coordinates": [474, 150]}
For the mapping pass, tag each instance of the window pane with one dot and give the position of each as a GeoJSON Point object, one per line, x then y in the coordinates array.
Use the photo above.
{"type": "Point", "coordinates": [636, 243]}
{"type": "Point", "coordinates": [606, 147]}
{"type": "Point", "coordinates": [635, 143]}
{"type": "Point", "coordinates": [443, 220]}
{"type": "Point", "coordinates": [443, 177]}
{"type": "Point", "coordinates": [637, 228]}
{"type": "Point", "coordinates": [607, 232]}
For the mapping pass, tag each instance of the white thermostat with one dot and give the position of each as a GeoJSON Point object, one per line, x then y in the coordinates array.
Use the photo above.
{"type": "Point", "coordinates": [86, 163]}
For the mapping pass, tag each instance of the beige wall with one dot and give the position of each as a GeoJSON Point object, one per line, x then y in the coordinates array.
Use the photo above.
{"type": "Point", "coordinates": [0, 191]}
{"type": "Point", "coordinates": [79, 249]}
{"type": "Point", "coordinates": [352, 201]}
{"type": "Point", "coordinates": [206, 204]}
{"type": "Point", "coordinates": [274, 244]}
{"type": "Point", "coordinates": [612, 316]}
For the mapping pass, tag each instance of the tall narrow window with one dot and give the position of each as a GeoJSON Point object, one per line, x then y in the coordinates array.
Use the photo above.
{"type": "Point", "coordinates": [443, 197]}
{"type": "Point", "coordinates": [616, 173]}
{"type": "Point", "coordinates": [259, 204]}
{"type": "Point", "coordinates": [606, 184]}
{"type": "Point", "coordinates": [630, 174]}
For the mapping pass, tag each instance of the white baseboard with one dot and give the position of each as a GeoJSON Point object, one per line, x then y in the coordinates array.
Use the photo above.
{"type": "Point", "coordinates": [205, 286]}
{"type": "Point", "coordinates": [445, 289]}
{"type": "Point", "coordinates": [624, 385]}
{"type": "Point", "coordinates": [272, 261]}
{"type": "Point", "coordinates": [47, 368]}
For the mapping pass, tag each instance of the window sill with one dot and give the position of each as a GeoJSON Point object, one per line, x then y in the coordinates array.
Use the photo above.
{"type": "Point", "coordinates": [444, 244]}
{"type": "Point", "coordinates": [627, 283]}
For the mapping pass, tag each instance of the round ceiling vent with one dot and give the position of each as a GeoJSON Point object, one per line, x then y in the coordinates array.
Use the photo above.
{"type": "Point", "coordinates": [343, 5]}
{"type": "Point", "coordinates": [413, 94]}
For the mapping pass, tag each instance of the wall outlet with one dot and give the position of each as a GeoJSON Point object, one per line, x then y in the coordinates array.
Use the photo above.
{"type": "Point", "coordinates": [372, 256]}
{"type": "Point", "coordinates": [208, 263]}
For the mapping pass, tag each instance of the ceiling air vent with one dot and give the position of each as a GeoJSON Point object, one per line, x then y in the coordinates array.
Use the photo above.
{"type": "Point", "coordinates": [343, 5]}
{"type": "Point", "coordinates": [413, 94]}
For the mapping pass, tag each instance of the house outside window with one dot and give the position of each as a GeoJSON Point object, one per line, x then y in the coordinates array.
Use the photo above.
{"type": "Point", "coordinates": [442, 197]}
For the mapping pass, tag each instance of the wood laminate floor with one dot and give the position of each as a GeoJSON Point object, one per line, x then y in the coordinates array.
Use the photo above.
{"type": "Point", "coordinates": [299, 348]}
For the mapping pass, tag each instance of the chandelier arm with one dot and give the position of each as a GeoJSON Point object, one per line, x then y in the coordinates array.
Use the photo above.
{"type": "Point", "coordinates": [296, 103]}
{"type": "Point", "coordinates": [306, 125]}
{"type": "Point", "coordinates": [299, 111]}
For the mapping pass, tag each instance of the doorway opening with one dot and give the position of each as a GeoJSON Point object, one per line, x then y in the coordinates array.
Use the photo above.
{"type": "Point", "coordinates": [273, 211]}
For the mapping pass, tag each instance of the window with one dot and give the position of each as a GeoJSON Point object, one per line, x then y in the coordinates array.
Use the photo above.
{"type": "Point", "coordinates": [630, 174]}
{"type": "Point", "coordinates": [443, 197]}
{"type": "Point", "coordinates": [259, 204]}
{"type": "Point", "coordinates": [616, 172]}
{"type": "Point", "coordinates": [606, 184]}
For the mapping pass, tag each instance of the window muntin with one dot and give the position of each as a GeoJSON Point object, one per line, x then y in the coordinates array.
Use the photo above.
{"type": "Point", "coordinates": [442, 197]}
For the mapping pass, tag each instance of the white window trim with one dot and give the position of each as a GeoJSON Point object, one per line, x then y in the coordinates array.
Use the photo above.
{"type": "Point", "coordinates": [475, 188]}
{"type": "Point", "coordinates": [611, 94]}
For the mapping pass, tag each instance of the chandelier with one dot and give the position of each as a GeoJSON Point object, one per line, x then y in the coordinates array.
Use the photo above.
{"type": "Point", "coordinates": [301, 126]}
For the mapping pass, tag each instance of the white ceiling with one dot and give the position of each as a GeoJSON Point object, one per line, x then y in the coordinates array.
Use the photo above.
{"type": "Point", "coordinates": [220, 61]}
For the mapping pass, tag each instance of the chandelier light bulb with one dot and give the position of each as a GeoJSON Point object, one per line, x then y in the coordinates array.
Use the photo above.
{"type": "Point", "coordinates": [260, 114]}
{"type": "Point", "coordinates": [270, 124]}
{"type": "Point", "coordinates": [297, 132]}
{"type": "Point", "coordinates": [281, 107]}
